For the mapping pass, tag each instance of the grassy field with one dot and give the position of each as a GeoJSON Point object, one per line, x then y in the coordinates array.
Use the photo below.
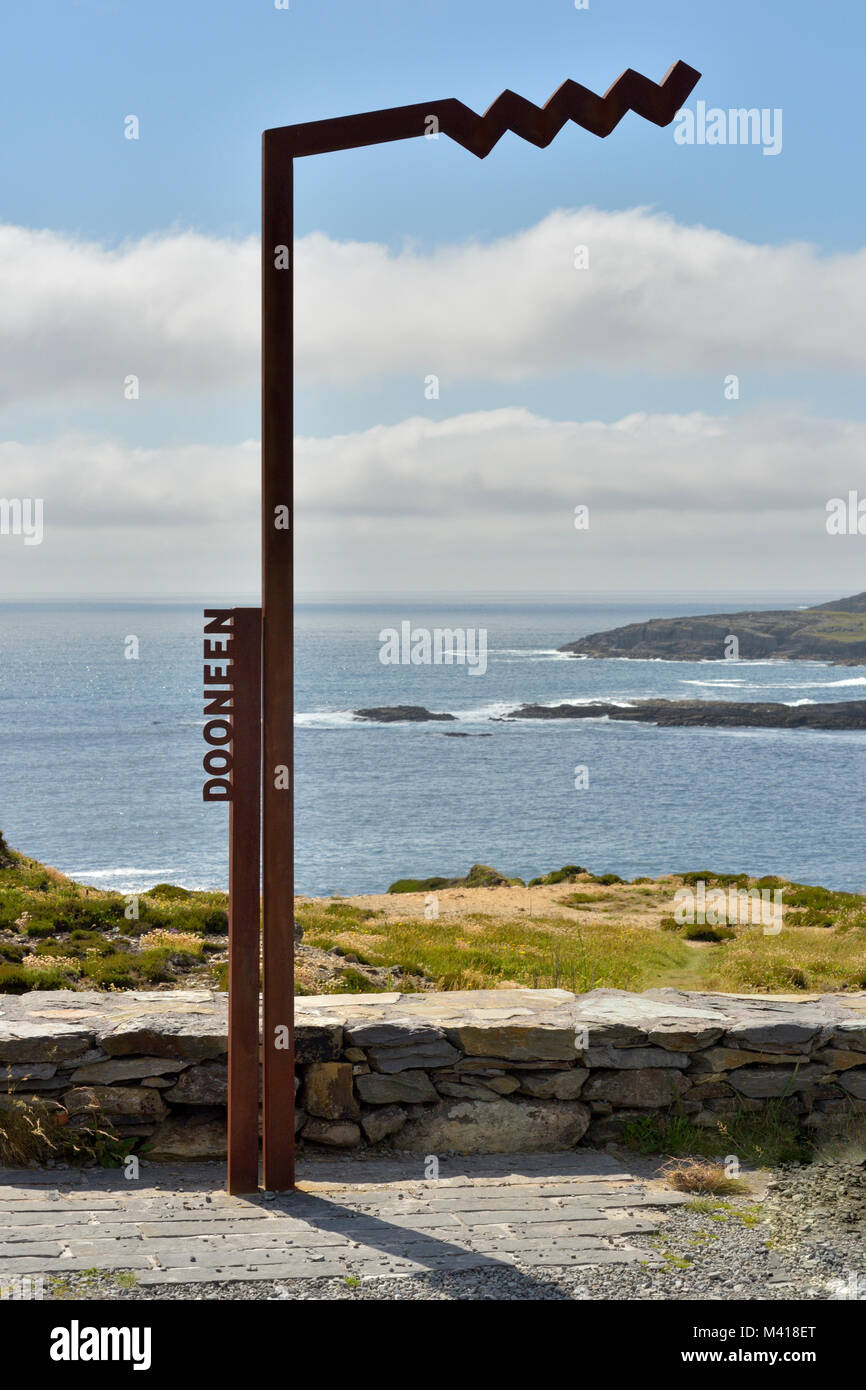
{"type": "Point", "coordinates": [483, 951]}
{"type": "Point", "coordinates": [573, 930]}
{"type": "Point", "coordinates": [58, 934]}
{"type": "Point", "coordinates": [842, 627]}
{"type": "Point", "coordinates": [576, 930]}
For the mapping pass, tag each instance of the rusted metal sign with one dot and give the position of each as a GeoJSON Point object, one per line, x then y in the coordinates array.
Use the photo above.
{"type": "Point", "coordinates": [232, 709]}
{"type": "Point", "coordinates": [655, 102]}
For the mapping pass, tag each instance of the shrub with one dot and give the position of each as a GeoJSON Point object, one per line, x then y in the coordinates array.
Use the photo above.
{"type": "Point", "coordinates": [7, 856]}
{"type": "Point", "coordinates": [150, 916]}
{"type": "Point", "coordinates": [155, 966]}
{"type": "Point", "coordinates": [16, 979]}
{"type": "Point", "coordinates": [49, 946]}
{"type": "Point", "coordinates": [170, 891]}
{"type": "Point", "coordinates": [40, 926]}
{"type": "Point", "coordinates": [722, 880]}
{"type": "Point", "coordinates": [84, 913]}
{"type": "Point", "coordinates": [811, 917]}
{"type": "Point", "coordinates": [420, 885]}
{"type": "Point", "coordinates": [567, 874]}
{"type": "Point", "coordinates": [483, 876]}
{"type": "Point", "coordinates": [479, 876]}
{"type": "Point", "coordinates": [702, 931]}
{"type": "Point", "coordinates": [216, 921]}
{"type": "Point", "coordinates": [353, 982]}
{"type": "Point", "coordinates": [12, 906]}
{"type": "Point", "coordinates": [118, 970]}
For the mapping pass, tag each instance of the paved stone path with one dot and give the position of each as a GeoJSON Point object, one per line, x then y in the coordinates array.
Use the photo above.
{"type": "Point", "coordinates": [369, 1217]}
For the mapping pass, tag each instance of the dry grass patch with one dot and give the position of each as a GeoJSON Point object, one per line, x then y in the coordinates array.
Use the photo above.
{"type": "Point", "coordinates": [165, 939]}
{"type": "Point", "coordinates": [799, 958]}
{"type": "Point", "coordinates": [479, 951]}
{"type": "Point", "coordinates": [701, 1176]}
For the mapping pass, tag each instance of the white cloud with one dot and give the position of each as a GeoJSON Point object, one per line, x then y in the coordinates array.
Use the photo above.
{"type": "Point", "coordinates": [511, 462]}
{"type": "Point", "coordinates": [483, 500]}
{"type": "Point", "coordinates": [181, 311]}
{"type": "Point", "coordinates": [178, 311]}
{"type": "Point", "coordinates": [105, 483]}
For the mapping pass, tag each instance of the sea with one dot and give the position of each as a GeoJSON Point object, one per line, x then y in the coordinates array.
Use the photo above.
{"type": "Point", "coordinates": [100, 749]}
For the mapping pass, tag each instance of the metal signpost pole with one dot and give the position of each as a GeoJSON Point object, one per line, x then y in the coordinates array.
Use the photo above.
{"type": "Point", "coordinates": [278, 940]}
{"type": "Point", "coordinates": [656, 102]}
{"type": "Point", "coordinates": [232, 732]}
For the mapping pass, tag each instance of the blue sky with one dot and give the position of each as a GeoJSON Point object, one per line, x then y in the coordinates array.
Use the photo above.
{"type": "Point", "coordinates": [206, 76]}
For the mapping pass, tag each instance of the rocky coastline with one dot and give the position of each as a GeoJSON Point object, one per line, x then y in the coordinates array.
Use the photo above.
{"type": "Point", "coordinates": [719, 714]}
{"type": "Point", "coordinates": [832, 632]}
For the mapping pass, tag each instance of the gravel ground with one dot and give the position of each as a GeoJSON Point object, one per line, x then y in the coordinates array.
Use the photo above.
{"type": "Point", "coordinates": [801, 1238]}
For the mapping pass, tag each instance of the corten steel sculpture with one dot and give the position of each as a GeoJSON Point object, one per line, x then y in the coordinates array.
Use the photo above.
{"type": "Point", "coordinates": [656, 102]}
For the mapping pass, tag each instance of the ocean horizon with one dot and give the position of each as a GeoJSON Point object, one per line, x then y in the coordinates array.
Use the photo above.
{"type": "Point", "coordinates": [100, 755]}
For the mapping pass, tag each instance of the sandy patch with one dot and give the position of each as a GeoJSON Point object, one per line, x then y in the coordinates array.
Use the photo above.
{"type": "Point", "coordinates": [639, 906]}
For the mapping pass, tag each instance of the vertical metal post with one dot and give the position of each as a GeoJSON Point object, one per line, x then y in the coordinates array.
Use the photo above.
{"type": "Point", "coordinates": [280, 147]}
{"type": "Point", "coordinates": [278, 1030]}
{"type": "Point", "coordinates": [244, 850]}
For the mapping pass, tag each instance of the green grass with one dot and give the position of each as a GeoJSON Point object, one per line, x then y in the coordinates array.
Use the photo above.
{"type": "Point", "coordinates": [353, 982]}
{"type": "Point", "coordinates": [86, 937]}
{"type": "Point", "coordinates": [481, 951]}
{"type": "Point", "coordinates": [568, 874]}
{"type": "Point", "coordinates": [796, 959]}
{"type": "Point", "coordinates": [578, 900]}
{"type": "Point", "coordinates": [29, 1133]}
{"type": "Point", "coordinates": [763, 1138]}
{"type": "Point", "coordinates": [701, 931]}
{"type": "Point", "coordinates": [721, 1211]}
{"type": "Point", "coordinates": [58, 934]}
{"type": "Point", "coordinates": [479, 876]}
{"type": "Point", "coordinates": [842, 627]}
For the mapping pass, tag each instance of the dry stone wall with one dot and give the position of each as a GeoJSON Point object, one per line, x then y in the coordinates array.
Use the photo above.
{"type": "Point", "coordinates": [487, 1071]}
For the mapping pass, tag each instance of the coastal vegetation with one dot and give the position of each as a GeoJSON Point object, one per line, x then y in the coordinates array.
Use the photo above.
{"type": "Point", "coordinates": [479, 876]}
{"type": "Point", "coordinates": [834, 632]}
{"type": "Point", "coordinates": [617, 935]}
{"type": "Point", "coordinates": [59, 934]}
{"type": "Point", "coordinates": [570, 928]}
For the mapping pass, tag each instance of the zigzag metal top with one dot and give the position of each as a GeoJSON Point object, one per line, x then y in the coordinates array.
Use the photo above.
{"type": "Point", "coordinates": [656, 102]}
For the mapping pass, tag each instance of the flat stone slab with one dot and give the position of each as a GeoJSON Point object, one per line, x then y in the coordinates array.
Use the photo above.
{"type": "Point", "coordinates": [361, 1217]}
{"type": "Point", "coordinates": [541, 1024]}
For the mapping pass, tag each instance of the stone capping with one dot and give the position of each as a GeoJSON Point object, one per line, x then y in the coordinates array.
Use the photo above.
{"type": "Point", "coordinates": [471, 1071]}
